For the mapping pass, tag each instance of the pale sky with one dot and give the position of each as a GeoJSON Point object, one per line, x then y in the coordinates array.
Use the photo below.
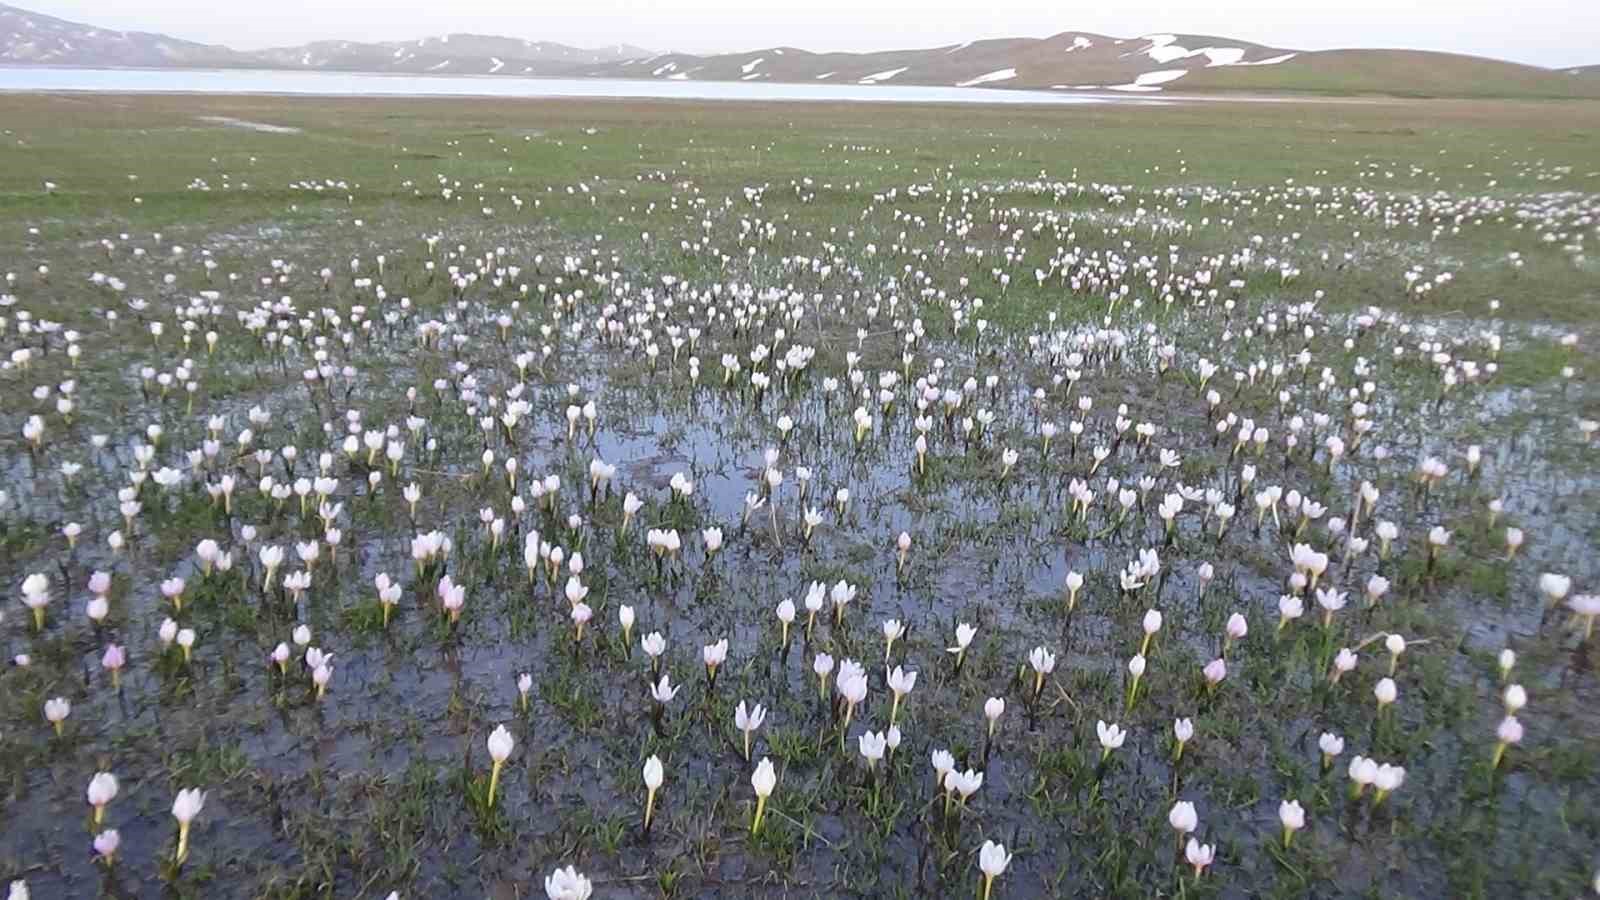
{"type": "Point", "coordinates": [1543, 32]}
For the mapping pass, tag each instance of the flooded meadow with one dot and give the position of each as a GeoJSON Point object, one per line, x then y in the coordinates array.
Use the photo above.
{"type": "Point", "coordinates": [426, 498]}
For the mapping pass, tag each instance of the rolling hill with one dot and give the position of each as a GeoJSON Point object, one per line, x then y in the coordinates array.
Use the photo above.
{"type": "Point", "coordinates": [1401, 72]}
{"type": "Point", "coordinates": [1069, 61]}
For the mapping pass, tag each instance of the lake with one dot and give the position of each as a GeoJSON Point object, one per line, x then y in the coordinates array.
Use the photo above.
{"type": "Point", "coordinates": [324, 83]}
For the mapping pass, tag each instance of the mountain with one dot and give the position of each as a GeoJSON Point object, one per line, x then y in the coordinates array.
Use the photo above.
{"type": "Point", "coordinates": [28, 38]}
{"type": "Point", "coordinates": [1070, 61]}
{"type": "Point", "coordinates": [459, 54]}
{"type": "Point", "coordinates": [1066, 61]}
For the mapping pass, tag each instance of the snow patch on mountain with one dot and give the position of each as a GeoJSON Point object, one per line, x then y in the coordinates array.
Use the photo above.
{"type": "Point", "coordinates": [885, 75]}
{"type": "Point", "coordinates": [989, 78]}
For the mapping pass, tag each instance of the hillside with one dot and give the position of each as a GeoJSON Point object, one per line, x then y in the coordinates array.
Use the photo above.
{"type": "Point", "coordinates": [1069, 61]}
{"type": "Point", "coordinates": [1401, 72]}
{"type": "Point", "coordinates": [1164, 62]}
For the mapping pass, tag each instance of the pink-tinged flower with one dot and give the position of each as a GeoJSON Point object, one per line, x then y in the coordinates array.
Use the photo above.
{"type": "Point", "coordinates": [114, 658]}
{"type": "Point", "coordinates": [106, 844]}
{"type": "Point", "coordinates": [1237, 627]}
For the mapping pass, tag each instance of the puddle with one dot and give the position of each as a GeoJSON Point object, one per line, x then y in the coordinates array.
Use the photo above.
{"type": "Point", "coordinates": [262, 127]}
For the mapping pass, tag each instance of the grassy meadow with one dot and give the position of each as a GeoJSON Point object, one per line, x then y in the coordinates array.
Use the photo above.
{"type": "Point", "coordinates": [1313, 382]}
